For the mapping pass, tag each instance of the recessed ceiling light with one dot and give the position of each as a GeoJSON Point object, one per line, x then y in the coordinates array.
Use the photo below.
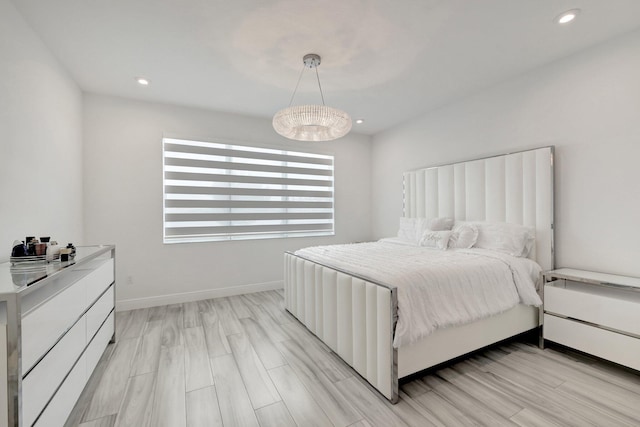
{"type": "Point", "coordinates": [359, 121]}
{"type": "Point", "coordinates": [568, 16]}
{"type": "Point", "coordinates": [143, 81]}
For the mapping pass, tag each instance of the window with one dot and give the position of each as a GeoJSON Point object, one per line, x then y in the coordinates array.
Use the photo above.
{"type": "Point", "coordinates": [219, 191]}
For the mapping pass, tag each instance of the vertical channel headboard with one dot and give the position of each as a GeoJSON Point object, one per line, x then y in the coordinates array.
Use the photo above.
{"type": "Point", "coordinates": [515, 188]}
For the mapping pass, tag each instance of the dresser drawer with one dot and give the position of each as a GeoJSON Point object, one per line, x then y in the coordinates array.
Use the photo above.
{"type": "Point", "coordinates": [99, 279]}
{"type": "Point", "coordinates": [4, 399]}
{"type": "Point", "coordinates": [608, 345]}
{"type": "Point", "coordinates": [41, 383]}
{"type": "Point", "coordinates": [43, 326]}
{"type": "Point", "coordinates": [95, 349]}
{"type": "Point", "coordinates": [58, 410]}
{"type": "Point", "coordinates": [99, 312]}
{"type": "Point", "coordinates": [613, 308]}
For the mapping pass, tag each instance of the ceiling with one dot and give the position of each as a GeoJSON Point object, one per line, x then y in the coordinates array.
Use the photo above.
{"type": "Point", "coordinates": [384, 61]}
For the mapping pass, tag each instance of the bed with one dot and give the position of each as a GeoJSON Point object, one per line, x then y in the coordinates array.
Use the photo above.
{"type": "Point", "coordinates": [355, 312]}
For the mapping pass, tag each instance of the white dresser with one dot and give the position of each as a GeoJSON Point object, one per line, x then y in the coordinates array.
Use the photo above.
{"type": "Point", "coordinates": [594, 312]}
{"type": "Point", "coordinates": [56, 320]}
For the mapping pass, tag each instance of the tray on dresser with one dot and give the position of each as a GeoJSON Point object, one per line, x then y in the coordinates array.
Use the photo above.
{"type": "Point", "coordinates": [33, 259]}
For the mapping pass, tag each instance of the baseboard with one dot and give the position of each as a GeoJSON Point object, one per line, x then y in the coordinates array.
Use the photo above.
{"type": "Point", "coordinates": [134, 303]}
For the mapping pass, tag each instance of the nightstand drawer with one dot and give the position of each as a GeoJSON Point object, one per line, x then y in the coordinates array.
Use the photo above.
{"type": "Point", "coordinates": [613, 308]}
{"type": "Point", "coordinates": [609, 345]}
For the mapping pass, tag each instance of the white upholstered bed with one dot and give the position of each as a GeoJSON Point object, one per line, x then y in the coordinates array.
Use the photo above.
{"type": "Point", "coordinates": [356, 315]}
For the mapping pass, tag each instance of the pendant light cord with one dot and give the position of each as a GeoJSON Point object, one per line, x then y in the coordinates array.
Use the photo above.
{"type": "Point", "coordinates": [293, 95]}
{"type": "Point", "coordinates": [319, 87]}
{"type": "Point", "coordinates": [297, 84]}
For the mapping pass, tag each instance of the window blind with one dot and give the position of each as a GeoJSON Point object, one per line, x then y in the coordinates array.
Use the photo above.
{"type": "Point", "coordinates": [219, 191]}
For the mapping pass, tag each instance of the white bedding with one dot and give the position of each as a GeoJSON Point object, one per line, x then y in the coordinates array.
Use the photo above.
{"type": "Point", "coordinates": [436, 288]}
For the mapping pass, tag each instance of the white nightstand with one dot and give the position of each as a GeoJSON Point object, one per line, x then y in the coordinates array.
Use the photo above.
{"type": "Point", "coordinates": [594, 312]}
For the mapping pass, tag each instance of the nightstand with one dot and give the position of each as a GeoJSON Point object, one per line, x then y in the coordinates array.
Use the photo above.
{"type": "Point", "coordinates": [594, 312]}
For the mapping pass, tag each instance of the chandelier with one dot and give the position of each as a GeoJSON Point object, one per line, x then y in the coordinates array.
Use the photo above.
{"type": "Point", "coordinates": [311, 122]}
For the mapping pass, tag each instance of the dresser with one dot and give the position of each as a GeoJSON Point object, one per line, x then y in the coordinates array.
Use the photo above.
{"type": "Point", "coordinates": [56, 319]}
{"type": "Point", "coordinates": [596, 313]}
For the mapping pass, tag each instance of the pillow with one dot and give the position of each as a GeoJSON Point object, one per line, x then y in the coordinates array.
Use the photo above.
{"type": "Point", "coordinates": [411, 228]}
{"type": "Point", "coordinates": [513, 239]}
{"type": "Point", "coordinates": [463, 236]}
{"type": "Point", "coordinates": [435, 239]}
{"type": "Point", "coordinates": [439, 224]}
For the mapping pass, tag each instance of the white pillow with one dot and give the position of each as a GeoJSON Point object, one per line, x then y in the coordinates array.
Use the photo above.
{"type": "Point", "coordinates": [435, 239]}
{"type": "Point", "coordinates": [464, 235]}
{"type": "Point", "coordinates": [513, 239]}
{"type": "Point", "coordinates": [440, 223]}
{"type": "Point", "coordinates": [412, 228]}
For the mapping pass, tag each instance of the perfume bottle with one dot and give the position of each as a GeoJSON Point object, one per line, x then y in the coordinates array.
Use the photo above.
{"type": "Point", "coordinates": [19, 249]}
{"type": "Point", "coordinates": [31, 245]}
{"type": "Point", "coordinates": [72, 253]}
{"type": "Point", "coordinates": [65, 254]}
{"type": "Point", "coordinates": [52, 250]}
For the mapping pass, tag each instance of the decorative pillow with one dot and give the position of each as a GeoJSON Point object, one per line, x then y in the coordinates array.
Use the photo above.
{"type": "Point", "coordinates": [412, 228]}
{"type": "Point", "coordinates": [439, 224]}
{"type": "Point", "coordinates": [463, 236]}
{"type": "Point", "coordinates": [435, 239]}
{"type": "Point", "coordinates": [513, 239]}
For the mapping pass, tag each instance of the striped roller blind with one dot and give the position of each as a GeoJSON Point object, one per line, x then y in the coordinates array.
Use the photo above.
{"type": "Point", "coordinates": [219, 191]}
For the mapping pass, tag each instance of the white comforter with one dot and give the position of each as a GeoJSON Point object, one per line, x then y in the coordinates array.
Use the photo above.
{"type": "Point", "coordinates": [437, 289]}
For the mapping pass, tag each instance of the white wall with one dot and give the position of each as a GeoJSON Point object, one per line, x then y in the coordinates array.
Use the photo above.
{"type": "Point", "coordinates": [587, 105]}
{"type": "Point", "coordinates": [123, 201]}
{"type": "Point", "coordinates": [40, 139]}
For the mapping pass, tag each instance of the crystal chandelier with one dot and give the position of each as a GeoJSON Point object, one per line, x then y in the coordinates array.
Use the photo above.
{"type": "Point", "coordinates": [311, 122]}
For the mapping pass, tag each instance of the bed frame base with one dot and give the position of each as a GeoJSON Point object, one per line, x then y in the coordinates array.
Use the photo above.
{"type": "Point", "coordinates": [446, 344]}
{"type": "Point", "coordinates": [356, 318]}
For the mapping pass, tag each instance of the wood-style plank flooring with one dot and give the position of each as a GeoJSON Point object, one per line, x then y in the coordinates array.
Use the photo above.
{"type": "Point", "coordinates": [244, 361]}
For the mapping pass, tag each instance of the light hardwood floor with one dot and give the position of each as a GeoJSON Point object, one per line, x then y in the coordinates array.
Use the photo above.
{"type": "Point", "coordinates": [244, 361]}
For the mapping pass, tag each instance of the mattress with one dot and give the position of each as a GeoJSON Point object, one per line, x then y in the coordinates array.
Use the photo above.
{"type": "Point", "coordinates": [436, 289]}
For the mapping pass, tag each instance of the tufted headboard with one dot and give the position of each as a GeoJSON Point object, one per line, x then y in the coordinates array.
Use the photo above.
{"type": "Point", "coordinates": [515, 188]}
